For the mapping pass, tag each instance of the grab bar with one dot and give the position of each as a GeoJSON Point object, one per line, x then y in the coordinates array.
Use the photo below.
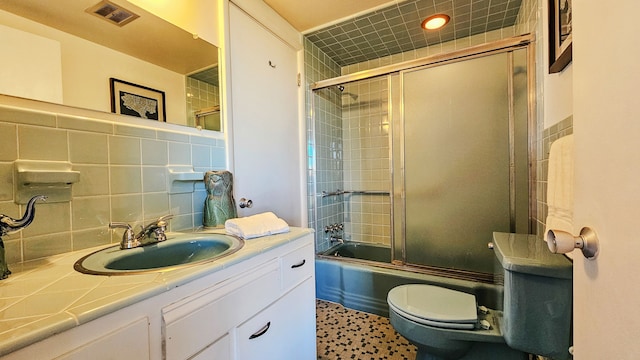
{"type": "Point", "coordinates": [355, 192]}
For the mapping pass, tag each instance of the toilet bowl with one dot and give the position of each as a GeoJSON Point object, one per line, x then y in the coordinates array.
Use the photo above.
{"type": "Point", "coordinates": [534, 315]}
{"type": "Point", "coordinates": [446, 324]}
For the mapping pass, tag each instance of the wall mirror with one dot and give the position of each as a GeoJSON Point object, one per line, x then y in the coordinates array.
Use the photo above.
{"type": "Point", "coordinates": [67, 52]}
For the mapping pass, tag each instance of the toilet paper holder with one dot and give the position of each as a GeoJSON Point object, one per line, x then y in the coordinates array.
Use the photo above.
{"type": "Point", "coordinates": [561, 242]}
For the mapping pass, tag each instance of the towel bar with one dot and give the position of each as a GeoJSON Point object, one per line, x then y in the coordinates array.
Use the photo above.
{"type": "Point", "coordinates": [355, 192]}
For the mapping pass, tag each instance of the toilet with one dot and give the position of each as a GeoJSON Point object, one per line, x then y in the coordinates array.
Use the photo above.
{"type": "Point", "coordinates": [535, 317]}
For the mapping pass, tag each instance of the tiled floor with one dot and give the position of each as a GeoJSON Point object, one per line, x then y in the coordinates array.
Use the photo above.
{"type": "Point", "coordinates": [349, 334]}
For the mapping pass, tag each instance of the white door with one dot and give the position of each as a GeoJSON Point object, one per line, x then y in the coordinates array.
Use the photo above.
{"type": "Point", "coordinates": [606, 77]}
{"type": "Point", "coordinates": [266, 141]}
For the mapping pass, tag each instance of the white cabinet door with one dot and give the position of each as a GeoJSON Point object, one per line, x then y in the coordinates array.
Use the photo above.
{"type": "Point", "coordinates": [266, 140]}
{"type": "Point", "coordinates": [129, 342]}
{"type": "Point", "coordinates": [199, 326]}
{"type": "Point", "coordinates": [284, 330]}
{"type": "Point", "coordinates": [219, 350]}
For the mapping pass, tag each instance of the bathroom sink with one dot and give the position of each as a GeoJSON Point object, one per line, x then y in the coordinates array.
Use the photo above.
{"type": "Point", "coordinates": [177, 251]}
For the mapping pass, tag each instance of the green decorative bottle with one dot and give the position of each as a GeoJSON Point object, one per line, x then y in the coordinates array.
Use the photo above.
{"type": "Point", "coordinates": [219, 206]}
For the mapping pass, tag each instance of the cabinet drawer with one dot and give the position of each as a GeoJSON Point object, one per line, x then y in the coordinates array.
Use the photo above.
{"type": "Point", "coordinates": [285, 330]}
{"type": "Point", "coordinates": [196, 322]}
{"type": "Point", "coordinates": [297, 266]}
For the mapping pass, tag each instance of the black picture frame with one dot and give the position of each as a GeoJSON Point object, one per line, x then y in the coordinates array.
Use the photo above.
{"type": "Point", "coordinates": [560, 29]}
{"type": "Point", "coordinates": [137, 100]}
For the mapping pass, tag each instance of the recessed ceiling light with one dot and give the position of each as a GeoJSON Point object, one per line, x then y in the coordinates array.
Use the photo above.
{"type": "Point", "coordinates": [435, 22]}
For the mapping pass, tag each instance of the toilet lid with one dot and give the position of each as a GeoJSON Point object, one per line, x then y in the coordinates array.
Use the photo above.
{"type": "Point", "coordinates": [434, 305]}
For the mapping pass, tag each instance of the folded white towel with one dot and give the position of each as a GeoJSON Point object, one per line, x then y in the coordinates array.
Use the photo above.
{"type": "Point", "coordinates": [560, 183]}
{"type": "Point", "coordinates": [254, 226]}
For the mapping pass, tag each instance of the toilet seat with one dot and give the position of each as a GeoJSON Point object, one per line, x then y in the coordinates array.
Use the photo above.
{"type": "Point", "coordinates": [434, 306]}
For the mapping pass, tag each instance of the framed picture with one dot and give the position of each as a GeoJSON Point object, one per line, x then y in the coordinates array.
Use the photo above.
{"type": "Point", "coordinates": [136, 100]}
{"type": "Point", "coordinates": [559, 35]}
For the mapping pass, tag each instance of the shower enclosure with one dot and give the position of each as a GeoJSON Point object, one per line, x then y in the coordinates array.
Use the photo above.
{"type": "Point", "coordinates": [427, 158]}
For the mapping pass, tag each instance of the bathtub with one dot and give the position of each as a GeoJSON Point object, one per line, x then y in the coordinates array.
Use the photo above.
{"type": "Point", "coordinates": [361, 251]}
{"type": "Point", "coordinates": [342, 276]}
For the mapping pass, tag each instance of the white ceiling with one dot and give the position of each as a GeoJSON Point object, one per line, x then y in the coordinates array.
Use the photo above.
{"type": "Point", "coordinates": [148, 38]}
{"type": "Point", "coordinates": [305, 15]}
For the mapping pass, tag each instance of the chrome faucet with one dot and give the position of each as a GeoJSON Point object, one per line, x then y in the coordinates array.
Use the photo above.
{"type": "Point", "coordinates": [153, 233]}
{"type": "Point", "coordinates": [337, 232]}
{"type": "Point", "coordinates": [9, 225]}
{"type": "Point", "coordinates": [336, 239]}
{"type": "Point", "coordinates": [334, 228]}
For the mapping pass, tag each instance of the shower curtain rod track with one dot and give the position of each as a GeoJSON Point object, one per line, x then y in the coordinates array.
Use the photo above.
{"type": "Point", "coordinates": [355, 192]}
{"type": "Point", "coordinates": [499, 45]}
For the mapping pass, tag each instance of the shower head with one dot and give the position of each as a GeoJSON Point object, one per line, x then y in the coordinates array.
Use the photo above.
{"type": "Point", "coordinates": [352, 95]}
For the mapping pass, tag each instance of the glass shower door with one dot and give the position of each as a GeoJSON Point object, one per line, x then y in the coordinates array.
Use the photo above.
{"type": "Point", "coordinates": [457, 161]}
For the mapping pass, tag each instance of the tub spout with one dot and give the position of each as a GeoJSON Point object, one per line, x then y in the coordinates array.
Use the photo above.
{"type": "Point", "coordinates": [336, 239]}
{"type": "Point", "coordinates": [9, 225]}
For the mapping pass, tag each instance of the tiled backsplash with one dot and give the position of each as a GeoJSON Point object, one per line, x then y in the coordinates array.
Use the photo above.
{"type": "Point", "coordinates": [123, 177]}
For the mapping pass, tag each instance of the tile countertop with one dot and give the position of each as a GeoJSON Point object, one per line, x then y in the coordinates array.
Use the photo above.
{"type": "Point", "coordinates": [47, 296]}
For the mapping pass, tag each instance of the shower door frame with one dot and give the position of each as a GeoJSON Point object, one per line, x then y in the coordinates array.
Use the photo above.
{"type": "Point", "coordinates": [525, 41]}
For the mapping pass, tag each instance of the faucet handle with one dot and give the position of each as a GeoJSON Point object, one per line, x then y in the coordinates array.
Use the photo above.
{"type": "Point", "coordinates": [154, 230]}
{"type": "Point", "coordinates": [116, 225]}
{"type": "Point", "coordinates": [162, 221]}
{"type": "Point", "coordinates": [128, 238]}
{"type": "Point", "coordinates": [165, 217]}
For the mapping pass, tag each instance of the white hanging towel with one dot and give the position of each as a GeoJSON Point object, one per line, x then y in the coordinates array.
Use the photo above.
{"type": "Point", "coordinates": [254, 226]}
{"type": "Point", "coordinates": [560, 183]}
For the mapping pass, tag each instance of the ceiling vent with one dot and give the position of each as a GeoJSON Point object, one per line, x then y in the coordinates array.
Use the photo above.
{"type": "Point", "coordinates": [112, 13]}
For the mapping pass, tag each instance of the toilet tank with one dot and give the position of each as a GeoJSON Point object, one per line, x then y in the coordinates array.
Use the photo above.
{"type": "Point", "coordinates": [538, 287]}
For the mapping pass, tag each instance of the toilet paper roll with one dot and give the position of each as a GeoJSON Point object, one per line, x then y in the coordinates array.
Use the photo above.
{"type": "Point", "coordinates": [561, 242]}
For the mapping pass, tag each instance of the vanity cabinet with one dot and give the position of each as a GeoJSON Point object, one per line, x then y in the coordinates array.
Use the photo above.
{"type": "Point", "coordinates": [262, 307]}
{"type": "Point", "coordinates": [263, 311]}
